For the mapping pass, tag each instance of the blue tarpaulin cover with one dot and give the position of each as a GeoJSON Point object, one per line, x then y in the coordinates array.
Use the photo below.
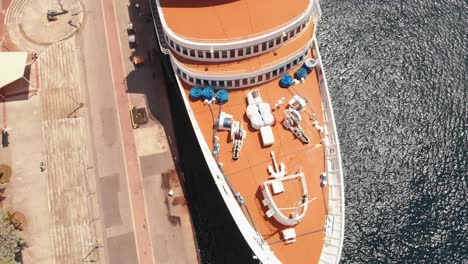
{"type": "Point", "coordinates": [208, 93]}
{"type": "Point", "coordinates": [301, 73]}
{"type": "Point", "coordinates": [195, 93]}
{"type": "Point", "coordinates": [286, 81]}
{"type": "Point", "coordinates": [222, 96]}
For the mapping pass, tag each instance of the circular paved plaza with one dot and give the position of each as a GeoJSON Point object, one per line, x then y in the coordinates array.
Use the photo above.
{"type": "Point", "coordinates": [29, 27]}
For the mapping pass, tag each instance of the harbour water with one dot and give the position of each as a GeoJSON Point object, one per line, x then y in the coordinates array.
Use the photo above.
{"type": "Point", "coordinates": [398, 78]}
{"type": "Point", "coordinates": [397, 74]}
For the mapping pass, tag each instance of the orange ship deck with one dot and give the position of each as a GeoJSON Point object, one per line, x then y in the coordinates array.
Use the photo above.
{"type": "Point", "coordinates": [228, 19]}
{"type": "Point", "coordinates": [250, 171]}
{"type": "Point", "coordinates": [253, 63]}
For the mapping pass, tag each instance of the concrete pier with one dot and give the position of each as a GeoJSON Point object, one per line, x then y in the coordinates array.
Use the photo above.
{"type": "Point", "coordinates": [104, 196]}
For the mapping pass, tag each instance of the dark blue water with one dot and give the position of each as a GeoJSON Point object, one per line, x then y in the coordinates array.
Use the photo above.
{"type": "Point", "coordinates": [397, 73]}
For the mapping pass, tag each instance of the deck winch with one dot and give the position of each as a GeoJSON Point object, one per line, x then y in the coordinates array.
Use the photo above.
{"type": "Point", "coordinates": [292, 118]}
{"type": "Point", "coordinates": [238, 135]}
{"type": "Point", "coordinates": [226, 122]}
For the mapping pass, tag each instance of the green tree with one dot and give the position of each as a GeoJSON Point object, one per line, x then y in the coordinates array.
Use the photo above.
{"type": "Point", "coordinates": [10, 240]}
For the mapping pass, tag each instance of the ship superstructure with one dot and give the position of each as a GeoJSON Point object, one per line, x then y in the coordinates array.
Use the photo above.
{"type": "Point", "coordinates": [252, 81]}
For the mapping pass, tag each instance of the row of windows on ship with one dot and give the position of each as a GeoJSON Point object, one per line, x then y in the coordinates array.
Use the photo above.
{"type": "Point", "coordinates": [244, 81]}
{"type": "Point", "coordinates": [235, 53]}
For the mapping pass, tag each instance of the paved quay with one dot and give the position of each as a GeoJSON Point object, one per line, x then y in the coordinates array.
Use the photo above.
{"type": "Point", "coordinates": [171, 231]}
{"type": "Point", "coordinates": [103, 197]}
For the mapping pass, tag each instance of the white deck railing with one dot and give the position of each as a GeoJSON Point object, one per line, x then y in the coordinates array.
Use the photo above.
{"type": "Point", "coordinates": [239, 75]}
{"type": "Point", "coordinates": [334, 234]}
{"type": "Point", "coordinates": [234, 43]}
{"type": "Point", "coordinates": [243, 73]}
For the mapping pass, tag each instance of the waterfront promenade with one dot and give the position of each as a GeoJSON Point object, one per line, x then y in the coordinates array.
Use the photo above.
{"type": "Point", "coordinates": [113, 206]}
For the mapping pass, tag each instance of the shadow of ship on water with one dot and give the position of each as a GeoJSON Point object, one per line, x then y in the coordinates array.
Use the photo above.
{"type": "Point", "coordinates": [218, 237]}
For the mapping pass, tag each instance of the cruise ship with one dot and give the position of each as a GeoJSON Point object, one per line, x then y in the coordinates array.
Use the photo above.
{"type": "Point", "coordinates": [252, 81]}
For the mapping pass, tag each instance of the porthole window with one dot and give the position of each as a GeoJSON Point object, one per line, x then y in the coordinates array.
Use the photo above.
{"type": "Point", "coordinates": [278, 40]}
{"type": "Point", "coordinates": [190, 79]}
{"type": "Point", "coordinates": [216, 54]}
{"type": "Point", "coordinates": [222, 84]}
{"type": "Point", "coordinates": [178, 48]}
{"type": "Point", "coordinates": [200, 54]}
{"type": "Point", "coordinates": [245, 81]}
{"type": "Point", "coordinates": [275, 72]}
{"type": "Point", "coordinates": [298, 29]}
{"type": "Point", "coordinates": [271, 43]}
{"type": "Point", "coordinates": [252, 80]}
{"type": "Point", "coordinates": [184, 51]}
{"type": "Point", "coordinates": [248, 50]}
{"type": "Point", "coordinates": [237, 83]}
{"type": "Point", "coordinates": [224, 54]}
{"type": "Point", "coordinates": [256, 48]}
{"type": "Point", "coordinates": [208, 54]}
{"type": "Point", "coordinates": [240, 52]}
{"type": "Point", "coordinates": [206, 83]}
{"type": "Point", "coordinates": [260, 78]}
{"type": "Point", "coordinates": [192, 53]}
{"type": "Point", "coordinates": [198, 81]}
{"type": "Point", "coordinates": [229, 84]}
{"type": "Point", "coordinates": [233, 53]}
{"type": "Point", "coordinates": [264, 46]}
{"type": "Point", "coordinates": [268, 76]}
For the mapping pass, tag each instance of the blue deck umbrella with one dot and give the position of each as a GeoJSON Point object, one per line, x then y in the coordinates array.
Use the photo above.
{"type": "Point", "coordinates": [301, 73]}
{"type": "Point", "coordinates": [195, 93]}
{"type": "Point", "coordinates": [208, 93]}
{"type": "Point", "coordinates": [286, 81]}
{"type": "Point", "coordinates": [222, 96]}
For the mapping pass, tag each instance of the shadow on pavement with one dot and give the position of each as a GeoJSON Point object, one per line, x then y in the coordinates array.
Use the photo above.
{"type": "Point", "coordinates": [212, 221]}
{"type": "Point", "coordinates": [147, 78]}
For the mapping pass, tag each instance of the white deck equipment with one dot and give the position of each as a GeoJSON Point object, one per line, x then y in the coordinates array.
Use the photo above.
{"type": "Point", "coordinates": [259, 114]}
{"type": "Point", "coordinates": [292, 118]}
{"type": "Point", "coordinates": [238, 135]}
{"type": "Point", "coordinates": [289, 235]}
{"type": "Point", "coordinates": [278, 172]}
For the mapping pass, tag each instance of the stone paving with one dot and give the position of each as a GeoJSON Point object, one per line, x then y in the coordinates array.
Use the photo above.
{"type": "Point", "coordinates": [28, 27]}
{"type": "Point", "coordinates": [68, 223]}
{"type": "Point", "coordinates": [51, 128]}
{"type": "Point", "coordinates": [27, 190]}
{"type": "Point", "coordinates": [68, 190]}
{"type": "Point", "coordinates": [63, 127]}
